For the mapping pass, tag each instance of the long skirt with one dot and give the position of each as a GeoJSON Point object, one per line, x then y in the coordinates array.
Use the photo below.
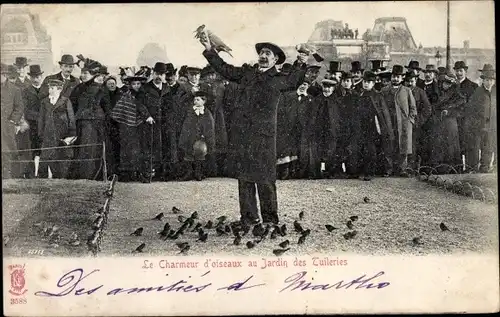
{"type": "Point", "coordinates": [88, 162]}
{"type": "Point", "coordinates": [446, 144]}
{"type": "Point", "coordinates": [130, 148]}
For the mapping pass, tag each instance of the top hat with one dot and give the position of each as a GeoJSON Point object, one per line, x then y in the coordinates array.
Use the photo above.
{"type": "Point", "coordinates": [160, 68]}
{"type": "Point", "coordinates": [334, 67]}
{"type": "Point", "coordinates": [430, 68]}
{"type": "Point", "coordinates": [397, 70]}
{"type": "Point", "coordinates": [356, 67]}
{"type": "Point", "coordinates": [21, 62]}
{"type": "Point", "coordinates": [460, 64]}
{"type": "Point", "coordinates": [67, 59]}
{"type": "Point", "coordinates": [414, 65]}
{"type": "Point", "coordinates": [35, 70]}
{"type": "Point", "coordinates": [384, 74]}
{"type": "Point", "coordinates": [369, 76]}
{"type": "Point", "coordinates": [171, 69]}
{"type": "Point", "coordinates": [376, 64]}
{"type": "Point", "coordinates": [192, 69]}
{"type": "Point", "coordinates": [274, 48]}
{"type": "Point", "coordinates": [487, 67]}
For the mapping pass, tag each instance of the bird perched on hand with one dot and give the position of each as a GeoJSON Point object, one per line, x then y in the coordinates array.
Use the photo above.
{"type": "Point", "coordinates": [159, 216]}
{"type": "Point", "coordinates": [203, 33]}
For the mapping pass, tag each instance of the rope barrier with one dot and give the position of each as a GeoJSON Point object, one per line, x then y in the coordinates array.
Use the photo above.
{"type": "Point", "coordinates": [54, 147]}
{"type": "Point", "coordinates": [75, 160]}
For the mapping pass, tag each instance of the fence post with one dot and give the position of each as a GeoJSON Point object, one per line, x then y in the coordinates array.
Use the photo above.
{"type": "Point", "coordinates": [105, 168]}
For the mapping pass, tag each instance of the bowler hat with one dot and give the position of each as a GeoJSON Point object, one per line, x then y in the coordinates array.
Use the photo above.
{"type": "Point", "coordinates": [356, 67]}
{"type": "Point", "coordinates": [369, 76]}
{"type": "Point", "coordinates": [55, 82]}
{"type": "Point", "coordinates": [329, 82]}
{"type": "Point", "coordinates": [171, 69]}
{"type": "Point", "coordinates": [274, 48]}
{"type": "Point", "coordinates": [21, 62]}
{"type": "Point", "coordinates": [414, 65]}
{"type": "Point", "coordinates": [376, 65]}
{"type": "Point", "coordinates": [160, 68]}
{"type": "Point", "coordinates": [487, 67]}
{"type": "Point", "coordinates": [35, 70]}
{"type": "Point", "coordinates": [430, 68]}
{"type": "Point", "coordinates": [460, 64]}
{"type": "Point", "coordinates": [67, 59]}
{"type": "Point", "coordinates": [410, 75]}
{"type": "Point", "coordinates": [334, 67]}
{"type": "Point", "coordinates": [397, 70]}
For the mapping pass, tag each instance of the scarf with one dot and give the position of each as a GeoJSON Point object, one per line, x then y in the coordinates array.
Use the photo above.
{"type": "Point", "coordinates": [125, 111]}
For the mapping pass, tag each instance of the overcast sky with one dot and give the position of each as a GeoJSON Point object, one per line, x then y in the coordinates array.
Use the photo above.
{"type": "Point", "coordinates": [114, 34]}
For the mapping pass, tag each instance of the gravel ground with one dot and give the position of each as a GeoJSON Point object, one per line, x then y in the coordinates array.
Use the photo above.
{"type": "Point", "coordinates": [398, 211]}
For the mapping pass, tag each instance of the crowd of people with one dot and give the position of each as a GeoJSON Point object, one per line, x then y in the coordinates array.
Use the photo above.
{"type": "Point", "coordinates": [166, 124]}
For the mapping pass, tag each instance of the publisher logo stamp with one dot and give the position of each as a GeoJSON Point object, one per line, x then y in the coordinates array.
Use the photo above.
{"type": "Point", "coordinates": [17, 279]}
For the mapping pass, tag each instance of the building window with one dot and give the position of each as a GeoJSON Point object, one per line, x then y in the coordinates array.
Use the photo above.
{"type": "Point", "coordinates": [15, 38]}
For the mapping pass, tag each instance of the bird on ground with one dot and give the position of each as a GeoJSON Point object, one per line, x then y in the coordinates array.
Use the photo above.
{"type": "Point", "coordinates": [250, 244]}
{"type": "Point", "coordinates": [330, 228]}
{"type": "Point", "coordinates": [301, 215]}
{"type": "Point", "coordinates": [266, 232]}
{"type": "Point", "coordinates": [221, 219]}
{"type": "Point", "coordinates": [181, 245]}
{"type": "Point", "coordinates": [417, 241]}
{"type": "Point", "coordinates": [219, 46]}
{"type": "Point", "coordinates": [159, 216]}
{"type": "Point", "coordinates": [181, 218]}
{"type": "Point", "coordinates": [258, 230]}
{"type": "Point", "coordinates": [137, 232]}
{"type": "Point", "coordinates": [165, 231]}
{"type": "Point", "coordinates": [209, 224]}
{"type": "Point", "coordinates": [197, 227]}
{"type": "Point", "coordinates": [227, 229]}
{"type": "Point", "coordinates": [443, 227]}
{"type": "Point", "coordinates": [302, 239]}
{"type": "Point", "coordinates": [176, 210]}
{"type": "Point", "coordinates": [279, 252]}
{"type": "Point", "coordinates": [366, 199]}
{"type": "Point", "coordinates": [194, 215]}
{"type": "Point", "coordinates": [284, 244]}
{"type": "Point", "coordinates": [202, 236]}
{"type": "Point", "coordinates": [237, 240]}
{"type": "Point", "coordinates": [275, 232]}
{"type": "Point", "coordinates": [354, 218]}
{"type": "Point", "coordinates": [185, 249]}
{"type": "Point", "coordinates": [283, 230]}
{"type": "Point", "coordinates": [306, 232]}
{"type": "Point", "coordinates": [350, 234]}
{"type": "Point", "coordinates": [349, 224]}
{"type": "Point", "coordinates": [297, 227]}
{"type": "Point", "coordinates": [220, 231]}
{"type": "Point", "coordinates": [245, 229]}
{"type": "Point", "coordinates": [140, 248]}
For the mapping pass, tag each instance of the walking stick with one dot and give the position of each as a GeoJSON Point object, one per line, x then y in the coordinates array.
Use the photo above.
{"type": "Point", "coordinates": [151, 156]}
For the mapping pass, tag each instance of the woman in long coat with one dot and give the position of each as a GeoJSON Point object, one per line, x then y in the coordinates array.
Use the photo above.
{"type": "Point", "coordinates": [450, 105]}
{"type": "Point", "coordinates": [130, 115]}
{"type": "Point", "coordinates": [112, 129]}
{"type": "Point", "coordinates": [56, 122]}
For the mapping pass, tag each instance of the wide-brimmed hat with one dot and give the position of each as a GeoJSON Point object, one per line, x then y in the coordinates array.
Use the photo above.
{"type": "Point", "coordinates": [398, 70]}
{"type": "Point", "coordinates": [369, 76]}
{"type": "Point", "coordinates": [460, 64]}
{"type": "Point", "coordinates": [488, 72]}
{"type": "Point", "coordinates": [356, 67]}
{"type": "Point", "coordinates": [430, 68]}
{"type": "Point", "coordinates": [141, 75]}
{"type": "Point", "coordinates": [55, 82]}
{"type": "Point", "coordinates": [21, 62]}
{"type": "Point", "coordinates": [334, 67]}
{"type": "Point", "coordinates": [274, 48]}
{"type": "Point", "coordinates": [67, 59]}
{"type": "Point", "coordinates": [414, 65]}
{"type": "Point", "coordinates": [35, 70]}
{"type": "Point", "coordinates": [376, 65]}
{"type": "Point", "coordinates": [328, 82]}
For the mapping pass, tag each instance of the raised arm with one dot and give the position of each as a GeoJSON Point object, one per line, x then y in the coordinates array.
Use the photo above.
{"type": "Point", "coordinates": [227, 71]}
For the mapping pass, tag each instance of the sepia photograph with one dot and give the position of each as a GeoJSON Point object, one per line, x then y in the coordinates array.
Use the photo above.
{"type": "Point", "coordinates": [234, 131]}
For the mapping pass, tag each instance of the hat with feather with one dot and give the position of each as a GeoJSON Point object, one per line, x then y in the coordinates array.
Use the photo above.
{"type": "Point", "coordinates": [141, 75]}
{"type": "Point", "coordinates": [90, 65]}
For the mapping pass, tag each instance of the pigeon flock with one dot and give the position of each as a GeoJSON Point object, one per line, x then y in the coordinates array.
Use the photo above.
{"type": "Point", "coordinates": [189, 230]}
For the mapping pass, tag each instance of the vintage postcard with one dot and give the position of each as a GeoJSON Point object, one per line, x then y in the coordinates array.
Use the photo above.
{"type": "Point", "coordinates": [249, 158]}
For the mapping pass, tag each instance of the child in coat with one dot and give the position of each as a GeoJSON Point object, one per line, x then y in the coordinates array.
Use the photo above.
{"type": "Point", "coordinates": [197, 138]}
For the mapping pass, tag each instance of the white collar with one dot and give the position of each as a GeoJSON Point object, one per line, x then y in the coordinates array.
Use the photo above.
{"type": "Point", "coordinates": [193, 84]}
{"type": "Point", "coordinates": [158, 86]}
{"type": "Point", "coordinates": [428, 82]}
{"type": "Point", "coordinates": [36, 86]}
{"type": "Point", "coordinates": [67, 78]}
{"type": "Point", "coordinates": [263, 70]}
{"type": "Point", "coordinates": [461, 81]}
